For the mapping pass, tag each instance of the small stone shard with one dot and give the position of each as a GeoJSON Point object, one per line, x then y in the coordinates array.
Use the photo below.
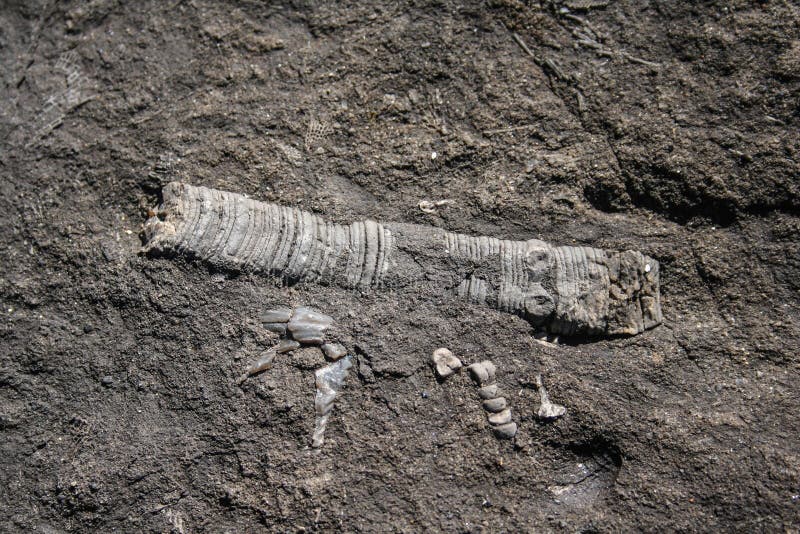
{"type": "Point", "coordinates": [287, 345]}
{"type": "Point", "coordinates": [277, 315]}
{"type": "Point", "coordinates": [500, 418]}
{"type": "Point", "coordinates": [262, 364]}
{"type": "Point", "coordinates": [445, 362]}
{"type": "Point", "coordinates": [482, 372]}
{"type": "Point", "coordinates": [506, 431]}
{"type": "Point", "coordinates": [547, 409]}
{"type": "Point", "coordinates": [329, 380]}
{"type": "Point", "coordinates": [495, 405]}
{"type": "Point", "coordinates": [308, 326]}
{"type": "Point", "coordinates": [334, 351]}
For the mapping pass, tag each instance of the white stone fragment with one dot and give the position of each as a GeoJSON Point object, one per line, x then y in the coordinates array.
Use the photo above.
{"type": "Point", "coordinates": [445, 362]}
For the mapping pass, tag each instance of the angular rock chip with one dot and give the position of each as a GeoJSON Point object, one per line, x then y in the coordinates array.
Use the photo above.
{"type": "Point", "coordinates": [333, 351]}
{"type": "Point", "coordinates": [495, 405]}
{"type": "Point", "coordinates": [506, 431]}
{"type": "Point", "coordinates": [500, 418]}
{"type": "Point", "coordinates": [308, 326]}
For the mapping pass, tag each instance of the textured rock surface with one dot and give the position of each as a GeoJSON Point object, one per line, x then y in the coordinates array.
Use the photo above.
{"type": "Point", "coordinates": [687, 427]}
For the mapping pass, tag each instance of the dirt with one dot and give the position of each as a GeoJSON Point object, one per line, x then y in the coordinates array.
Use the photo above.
{"type": "Point", "coordinates": [665, 127]}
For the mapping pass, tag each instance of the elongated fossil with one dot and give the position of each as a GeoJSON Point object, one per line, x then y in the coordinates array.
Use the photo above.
{"type": "Point", "coordinates": [566, 290]}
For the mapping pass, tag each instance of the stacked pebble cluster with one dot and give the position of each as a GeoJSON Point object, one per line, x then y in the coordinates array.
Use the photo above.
{"type": "Point", "coordinates": [498, 413]}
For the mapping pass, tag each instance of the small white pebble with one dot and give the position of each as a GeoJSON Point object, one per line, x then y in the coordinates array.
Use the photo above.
{"type": "Point", "coordinates": [434, 155]}
{"type": "Point", "coordinates": [647, 268]}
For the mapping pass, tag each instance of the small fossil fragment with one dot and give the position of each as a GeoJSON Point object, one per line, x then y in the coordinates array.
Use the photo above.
{"type": "Point", "coordinates": [308, 326]}
{"type": "Point", "coordinates": [495, 405]}
{"type": "Point", "coordinates": [490, 392]}
{"type": "Point", "coordinates": [277, 315]}
{"type": "Point", "coordinates": [482, 372]}
{"type": "Point", "coordinates": [445, 362]}
{"type": "Point", "coordinates": [547, 409]}
{"type": "Point", "coordinates": [305, 326]}
{"type": "Point", "coordinates": [262, 364]}
{"type": "Point", "coordinates": [506, 431]}
{"type": "Point", "coordinates": [286, 345]}
{"type": "Point", "coordinates": [333, 351]}
{"type": "Point", "coordinates": [566, 290]}
{"type": "Point", "coordinates": [278, 328]}
{"type": "Point", "coordinates": [500, 418]}
{"type": "Point", "coordinates": [329, 380]}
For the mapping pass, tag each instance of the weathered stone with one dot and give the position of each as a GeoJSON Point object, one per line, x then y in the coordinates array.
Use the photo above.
{"type": "Point", "coordinates": [495, 405]}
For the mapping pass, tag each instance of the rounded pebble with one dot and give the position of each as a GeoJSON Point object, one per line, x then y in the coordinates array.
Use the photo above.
{"type": "Point", "coordinates": [495, 405]}
{"type": "Point", "coordinates": [500, 418]}
{"type": "Point", "coordinates": [506, 431]}
{"type": "Point", "coordinates": [107, 380]}
{"type": "Point", "coordinates": [490, 392]}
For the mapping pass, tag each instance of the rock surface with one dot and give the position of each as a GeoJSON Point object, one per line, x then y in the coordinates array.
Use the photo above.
{"type": "Point", "coordinates": [336, 108]}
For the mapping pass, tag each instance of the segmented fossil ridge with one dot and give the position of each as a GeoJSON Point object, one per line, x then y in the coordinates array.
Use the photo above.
{"type": "Point", "coordinates": [566, 290]}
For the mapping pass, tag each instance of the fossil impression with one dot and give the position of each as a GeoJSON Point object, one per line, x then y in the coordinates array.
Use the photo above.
{"type": "Point", "coordinates": [563, 289]}
{"type": "Point", "coordinates": [299, 327]}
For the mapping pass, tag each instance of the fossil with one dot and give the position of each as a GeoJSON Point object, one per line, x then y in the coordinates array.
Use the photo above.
{"type": "Point", "coordinates": [547, 410]}
{"type": "Point", "coordinates": [329, 381]}
{"type": "Point", "coordinates": [444, 362]}
{"type": "Point", "coordinates": [305, 326]}
{"type": "Point", "coordinates": [567, 290]}
{"type": "Point", "coordinates": [498, 413]}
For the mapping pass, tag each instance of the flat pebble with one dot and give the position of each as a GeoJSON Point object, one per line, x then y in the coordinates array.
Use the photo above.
{"type": "Point", "coordinates": [506, 431]}
{"type": "Point", "coordinates": [490, 392]}
{"type": "Point", "coordinates": [500, 418]}
{"type": "Point", "coordinates": [287, 345]}
{"type": "Point", "coordinates": [495, 405]}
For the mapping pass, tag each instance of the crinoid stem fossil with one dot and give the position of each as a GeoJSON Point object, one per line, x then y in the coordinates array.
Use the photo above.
{"type": "Point", "coordinates": [564, 289]}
